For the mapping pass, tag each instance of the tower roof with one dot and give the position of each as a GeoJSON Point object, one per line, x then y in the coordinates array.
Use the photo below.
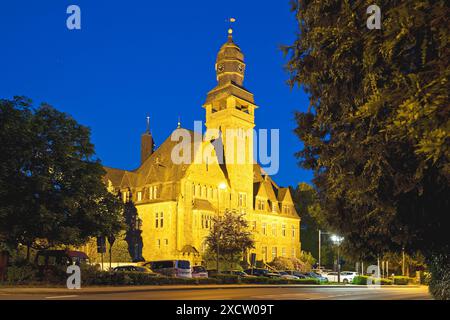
{"type": "Point", "coordinates": [230, 64]}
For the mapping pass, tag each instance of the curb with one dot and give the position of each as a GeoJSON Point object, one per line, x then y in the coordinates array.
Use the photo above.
{"type": "Point", "coordinates": [145, 289]}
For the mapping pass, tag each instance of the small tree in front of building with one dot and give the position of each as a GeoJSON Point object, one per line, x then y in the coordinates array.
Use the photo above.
{"type": "Point", "coordinates": [229, 239]}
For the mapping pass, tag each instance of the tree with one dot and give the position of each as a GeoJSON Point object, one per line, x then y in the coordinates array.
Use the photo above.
{"type": "Point", "coordinates": [303, 263]}
{"type": "Point", "coordinates": [51, 189]}
{"type": "Point", "coordinates": [307, 204]}
{"type": "Point", "coordinates": [377, 130]}
{"type": "Point", "coordinates": [133, 235]}
{"type": "Point", "coordinates": [231, 236]}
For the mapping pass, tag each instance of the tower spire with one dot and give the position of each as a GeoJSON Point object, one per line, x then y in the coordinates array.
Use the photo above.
{"type": "Point", "coordinates": [179, 122]}
{"type": "Point", "coordinates": [148, 124]}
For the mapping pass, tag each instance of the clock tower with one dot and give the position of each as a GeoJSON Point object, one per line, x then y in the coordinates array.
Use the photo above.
{"type": "Point", "coordinates": [230, 108]}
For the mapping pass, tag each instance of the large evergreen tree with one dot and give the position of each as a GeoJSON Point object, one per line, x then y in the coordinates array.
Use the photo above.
{"type": "Point", "coordinates": [51, 189]}
{"type": "Point", "coordinates": [377, 129]}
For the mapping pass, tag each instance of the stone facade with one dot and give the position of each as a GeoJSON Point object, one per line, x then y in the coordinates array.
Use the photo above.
{"type": "Point", "coordinates": [176, 202]}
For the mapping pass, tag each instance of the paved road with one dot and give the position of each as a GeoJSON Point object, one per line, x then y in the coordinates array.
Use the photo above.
{"type": "Point", "coordinates": [273, 293]}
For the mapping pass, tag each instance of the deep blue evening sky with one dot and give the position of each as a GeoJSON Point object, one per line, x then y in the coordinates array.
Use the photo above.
{"type": "Point", "coordinates": [138, 57]}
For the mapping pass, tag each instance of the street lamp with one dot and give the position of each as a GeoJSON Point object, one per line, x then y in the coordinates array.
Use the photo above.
{"type": "Point", "coordinates": [221, 186]}
{"type": "Point", "coordinates": [320, 241]}
{"type": "Point", "coordinates": [337, 241]}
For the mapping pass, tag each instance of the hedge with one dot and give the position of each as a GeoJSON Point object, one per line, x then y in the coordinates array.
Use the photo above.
{"type": "Point", "coordinates": [362, 280]}
{"type": "Point", "coordinates": [90, 276]}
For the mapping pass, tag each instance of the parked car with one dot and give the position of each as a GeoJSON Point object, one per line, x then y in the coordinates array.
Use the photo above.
{"type": "Point", "coordinates": [316, 276]}
{"type": "Point", "coordinates": [350, 275]}
{"type": "Point", "coordinates": [259, 272]}
{"type": "Point", "coordinates": [199, 272]}
{"type": "Point", "coordinates": [238, 273]}
{"type": "Point", "coordinates": [333, 277]}
{"type": "Point", "coordinates": [135, 269]}
{"type": "Point", "coordinates": [285, 275]}
{"type": "Point", "coordinates": [171, 268]}
{"type": "Point", "coordinates": [46, 259]}
{"type": "Point", "coordinates": [296, 273]}
{"type": "Point", "coordinates": [273, 274]}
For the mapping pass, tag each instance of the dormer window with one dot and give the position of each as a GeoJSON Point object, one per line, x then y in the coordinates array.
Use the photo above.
{"type": "Point", "coordinates": [260, 204]}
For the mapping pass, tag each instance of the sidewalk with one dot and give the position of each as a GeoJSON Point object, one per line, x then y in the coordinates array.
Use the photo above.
{"type": "Point", "coordinates": [124, 289]}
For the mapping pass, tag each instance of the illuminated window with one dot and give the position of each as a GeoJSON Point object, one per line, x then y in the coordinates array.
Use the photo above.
{"type": "Point", "coordinates": [283, 230]}
{"type": "Point", "coordinates": [293, 231]}
{"type": "Point", "coordinates": [286, 209]}
{"type": "Point", "coordinates": [274, 229]}
{"type": "Point", "coordinates": [139, 196]}
{"type": "Point", "coordinates": [158, 243]}
{"type": "Point", "coordinates": [274, 252]}
{"type": "Point", "coordinates": [264, 253]}
{"type": "Point", "coordinates": [153, 192]}
{"type": "Point", "coordinates": [293, 252]}
{"type": "Point", "coordinates": [254, 226]}
{"type": "Point", "coordinates": [166, 242]}
{"type": "Point", "coordinates": [274, 207]}
{"type": "Point", "coordinates": [264, 228]}
{"type": "Point", "coordinates": [283, 252]}
{"type": "Point", "coordinates": [260, 204]}
{"type": "Point", "coordinates": [159, 219]}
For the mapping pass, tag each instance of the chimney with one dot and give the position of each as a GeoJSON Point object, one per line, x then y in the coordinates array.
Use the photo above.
{"type": "Point", "coordinates": [146, 143]}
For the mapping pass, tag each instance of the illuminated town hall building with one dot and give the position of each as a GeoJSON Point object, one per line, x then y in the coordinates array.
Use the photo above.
{"type": "Point", "coordinates": [176, 201]}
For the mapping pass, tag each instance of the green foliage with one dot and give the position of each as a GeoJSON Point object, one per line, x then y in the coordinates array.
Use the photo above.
{"type": "Point", "coordinates": [230, 232]}
{"type": "Point", "coordinates": [308, 206]}
{"type": "Point", "coordinates": [377, 130]}
{"type": "Point", "coordinates": [362, 280]}
{"type": "Point", "coordinates": [440, 276]}
{"type": "Point", "coordinates": [303, 263]}
{"type": "Point", "coordinates": [400, 280]}
{"type": "Point", "coordinates": [22, 273]}
{"type": "Point", "coordinates": [51, 189]}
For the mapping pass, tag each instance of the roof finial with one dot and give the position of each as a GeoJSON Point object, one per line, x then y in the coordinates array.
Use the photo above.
{"type": "Point", "coordinates": [179, 123]}
{"type": "Point", "coordinates": [230, 29]}
{"type": "Point", "coordinates": [148, 124]}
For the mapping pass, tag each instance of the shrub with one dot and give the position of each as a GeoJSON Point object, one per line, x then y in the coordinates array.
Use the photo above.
{"type": "Point", "coordinates": [227, 278]}
{"type": "Point", "coordinates": [22, 274]}
{"type": "Point", "coordinates": [400, 280]}
{"type": "Point", "coordinates": [362, 280]}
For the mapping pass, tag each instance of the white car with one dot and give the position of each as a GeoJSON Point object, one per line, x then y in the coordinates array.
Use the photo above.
{"type": "Point", "coordinates": [346, 277]}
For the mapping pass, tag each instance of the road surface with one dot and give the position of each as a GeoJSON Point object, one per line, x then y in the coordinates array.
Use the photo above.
{"type": "Point", "coordinates": [233, 293]}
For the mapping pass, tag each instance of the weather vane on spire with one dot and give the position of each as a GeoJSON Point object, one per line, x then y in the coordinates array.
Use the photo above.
{"type": "Point", "coordinates": [148, 123]}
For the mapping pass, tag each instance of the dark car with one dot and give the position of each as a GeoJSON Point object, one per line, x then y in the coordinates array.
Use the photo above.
{"type": "Point", "coordinates": [199, 272]}
{"type": "Point", "coordinates": [237, 273]}
{"type": "Point", "coordinates": [259, 272]}
{"type": "Point", "coordinates": [316, 276]}
{"type": "Point", "coordinates": [134, 269]}
{"type": "Point", "coordinates": [296, 273]}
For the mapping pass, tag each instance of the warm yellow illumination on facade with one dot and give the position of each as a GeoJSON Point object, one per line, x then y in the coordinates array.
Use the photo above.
{"type": "Point", "coordinates": [176, 202]}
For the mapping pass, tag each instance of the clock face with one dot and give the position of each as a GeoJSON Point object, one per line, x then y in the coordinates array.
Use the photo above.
{"type": "Point", "coordinates": [220, 68]}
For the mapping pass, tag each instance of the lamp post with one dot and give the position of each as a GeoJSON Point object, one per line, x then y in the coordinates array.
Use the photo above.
{"type": "Point", "coordinates": [320, 242]}
{"type": "Point", "coordinates": [337, 241]}
{"type": "Point", "coordinates": [221, 186]}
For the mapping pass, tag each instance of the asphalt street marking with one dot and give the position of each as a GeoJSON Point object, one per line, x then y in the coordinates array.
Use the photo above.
{"type": "Point", "coordinates": [61, 297]}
